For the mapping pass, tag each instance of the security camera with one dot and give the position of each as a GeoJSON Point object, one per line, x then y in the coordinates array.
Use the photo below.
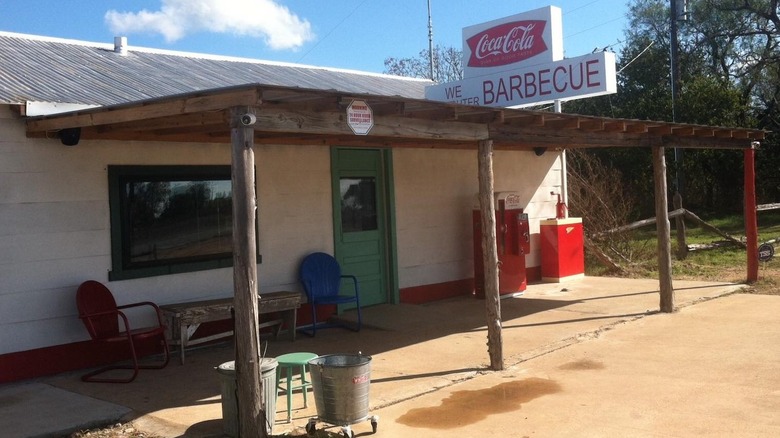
{"type": "Point", "coordinates": [248, 119]}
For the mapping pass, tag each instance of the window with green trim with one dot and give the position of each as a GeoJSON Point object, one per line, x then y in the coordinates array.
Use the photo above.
{"type": "Point", "coordinates": [169, 219]}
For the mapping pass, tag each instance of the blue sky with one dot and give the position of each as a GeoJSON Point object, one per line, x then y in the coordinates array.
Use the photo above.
{"type": "Point", "coordinates": [351, 34]}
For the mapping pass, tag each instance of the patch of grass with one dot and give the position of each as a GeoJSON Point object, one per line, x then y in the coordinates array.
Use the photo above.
{"type": "Point", "coordinates": [728, 263]}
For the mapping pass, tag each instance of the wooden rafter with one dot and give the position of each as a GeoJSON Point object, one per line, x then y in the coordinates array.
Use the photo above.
{"type": "Point", "coordinates": [318, 117]}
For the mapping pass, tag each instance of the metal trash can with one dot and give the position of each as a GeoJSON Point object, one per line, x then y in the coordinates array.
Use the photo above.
{"type": "Point", "coordinates": [227, 373]}
{"type": "Point", "coordinates": [341, 390]}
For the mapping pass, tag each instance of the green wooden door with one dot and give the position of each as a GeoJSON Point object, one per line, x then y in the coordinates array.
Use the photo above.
{"type": "Point", "coordinates": [360, 220]}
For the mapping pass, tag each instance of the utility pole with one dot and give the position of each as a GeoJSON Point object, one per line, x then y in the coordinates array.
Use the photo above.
{"type": "Point", "coordinates": [674, 58]}
{"type": "Point", "coordinates": [678, 11]}
{"type": "Point", "coordinates": [430, 42]}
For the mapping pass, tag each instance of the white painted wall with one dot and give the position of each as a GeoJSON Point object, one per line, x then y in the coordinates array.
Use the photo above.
{"type": "Point", "coordinates": [294, 210]}
{"type": "Point", "coordinates": [55, 226]}
{"type": "Point", "coordinates": [534, 177]}
{"type": "Point", "coordinates": [436, 191]}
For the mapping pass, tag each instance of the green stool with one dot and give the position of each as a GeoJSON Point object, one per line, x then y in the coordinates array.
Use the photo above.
{"type": "Point", "coordinates": [288, 363]}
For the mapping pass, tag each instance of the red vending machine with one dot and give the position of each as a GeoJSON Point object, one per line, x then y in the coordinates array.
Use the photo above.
{"type": "Point", "coordinates": [512, 242]}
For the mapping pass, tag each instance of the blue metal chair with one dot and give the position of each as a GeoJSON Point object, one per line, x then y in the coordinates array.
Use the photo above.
{"type": "Point", "coordinates": [321, 278]}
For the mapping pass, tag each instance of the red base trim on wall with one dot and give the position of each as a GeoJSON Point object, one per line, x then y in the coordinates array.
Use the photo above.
{"type": "Point", "coordinates": [57, 359]}
{"type": "Point", "coordinates": [438, 291]}
{"type": "Point", "coordinates": [323, 313]}
{"type": "Point", "coordinates": [533, 274]}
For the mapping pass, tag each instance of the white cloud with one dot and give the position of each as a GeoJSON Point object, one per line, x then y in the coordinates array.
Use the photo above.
{"type": "Point", "coordinates": [268, 19]}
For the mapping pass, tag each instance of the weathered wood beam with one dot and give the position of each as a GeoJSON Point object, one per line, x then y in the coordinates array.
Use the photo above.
{"type": "Point", "coordinates": [659, 130]}
{"type": "Point", "coordinates": [751, 219]}
{"type": "Point", "coordinates": [324, 103]}
{"type": "Point", "coordinates": [592, 125]}
{"type": "Point", "coordinates": [212, 119]}
{"type": "Point", "coordinates": [639, 224]}
{"type": "Point", "coordinates": [145, 110]}
{"type": "Point", "coordinates": [615, 126]}
{"type": "Point", "coordinates": [521, 119]}
{"type": "Point", "coordinates": [332, 123]}
{"type": "Point", "coordinates": [704, 132]}
{"type": "Point", "coordinates": [683, 131]}
{"type": "Point", "coordinates": [528, 137]}
{"type": "Point", "coordinates": [425, 112]}
{"type": "Point", "coordinates": [563, 123]}
{"type": "Point", "coordinates": [636, 127]}
{"type": "Point", "coordinates": [694, 218]}
{"type": "Point", "coordinates": [387, 108]}
{"type": "Point", "coordinates": [724, 133]}
{"type": "Point", "coordinates": [662, 232]}
{"type": "Point", "coordinates": [251, 413]}
{"type": "Point", "coordinates": [763, 207]}
{"type": "Point", "coordinates": [490, 254]}
{"type": "Point", "coordinates": [714, 142]}
{"type": "Point", "coordinates": [679, 228]}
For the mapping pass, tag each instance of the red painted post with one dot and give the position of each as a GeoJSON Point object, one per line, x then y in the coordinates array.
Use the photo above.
{"type": "Point", "coordinates": [751, 221]}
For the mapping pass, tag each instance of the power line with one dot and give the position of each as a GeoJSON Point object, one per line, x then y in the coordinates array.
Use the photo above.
{"type": "Point", "coordinates": [637, 57]}
{"type": "Point", "coordinates": [580, 7]}
{"type": "Point", "coordinates": [332, 30]}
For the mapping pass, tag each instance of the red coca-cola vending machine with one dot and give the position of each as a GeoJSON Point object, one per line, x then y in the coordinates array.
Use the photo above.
{"type": "Point", "coordinates": [512, 243]}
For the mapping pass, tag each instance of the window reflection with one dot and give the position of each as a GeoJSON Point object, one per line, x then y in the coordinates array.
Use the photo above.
{"type": "Point", "coordinates": [358, 204]}
{"type": "Point", "coordinates": [178, 220]}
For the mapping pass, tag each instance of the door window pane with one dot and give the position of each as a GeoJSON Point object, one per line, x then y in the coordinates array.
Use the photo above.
{"type": "Point", "coordinates": [358, 204]}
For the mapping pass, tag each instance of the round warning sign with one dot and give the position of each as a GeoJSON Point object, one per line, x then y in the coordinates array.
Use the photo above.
{"type": "Point", "coordinates": [360, 118]}
{"type": "Point", "coordinates": [765, 252]}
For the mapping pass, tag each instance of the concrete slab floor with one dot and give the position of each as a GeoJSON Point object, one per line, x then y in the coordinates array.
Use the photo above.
{"type": "Point", "coordinates": [421, 355]}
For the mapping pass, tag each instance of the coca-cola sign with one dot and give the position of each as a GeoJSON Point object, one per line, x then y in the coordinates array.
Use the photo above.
{"type": "Point", "coordinates": [507, 43]}
{"type": "Point", "coordinates": [528, 38]}
{"type": "Point", "coordinates": [518, 61]}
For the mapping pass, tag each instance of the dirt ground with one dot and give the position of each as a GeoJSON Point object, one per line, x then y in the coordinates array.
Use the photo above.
{"type": "Point", "coordinates": [768, 277]}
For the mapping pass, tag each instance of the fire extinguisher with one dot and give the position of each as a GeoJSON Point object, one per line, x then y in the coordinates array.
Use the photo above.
{"type": "Point", "coordinates": [560, 207]}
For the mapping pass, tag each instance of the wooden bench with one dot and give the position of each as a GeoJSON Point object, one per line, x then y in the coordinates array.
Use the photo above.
{"type": "Point", "coordinates": [184, 318]}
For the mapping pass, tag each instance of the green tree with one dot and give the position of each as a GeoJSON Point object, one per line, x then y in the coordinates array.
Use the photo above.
{"type": "Point", "coordinates": [728, 57]}
{"type": "Point", "coordinates": [447, 61]}
{"type": "Point", "coordinates": [729, 60]}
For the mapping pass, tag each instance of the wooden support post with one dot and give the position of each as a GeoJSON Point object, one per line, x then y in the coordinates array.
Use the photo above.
{"type": "Point", "coordinates": [251, 413]}
{"type": "Point", "coordinates": [663, 231]}
{"type": "Point", "coordinates": [490, 255]}
{"type": "Point", "coordinates": [751, 220]}
{"type": "Point", "coordinates": [679, 226]}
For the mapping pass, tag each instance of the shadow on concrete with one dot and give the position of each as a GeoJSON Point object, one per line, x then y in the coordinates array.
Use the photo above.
{"type": "Point", "coordinates": [428, 345]}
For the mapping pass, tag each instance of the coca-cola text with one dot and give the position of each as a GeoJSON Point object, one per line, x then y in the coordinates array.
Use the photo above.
{"type": "Point", "coordinates": [507, 43]}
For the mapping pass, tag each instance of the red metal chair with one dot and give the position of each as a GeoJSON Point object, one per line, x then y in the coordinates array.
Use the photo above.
{"type": "Point", "coordinates": [101, 315]}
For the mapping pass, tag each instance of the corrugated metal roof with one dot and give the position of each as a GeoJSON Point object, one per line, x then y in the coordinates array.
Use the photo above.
{"type": "Point", "coordinates": [34, 68]}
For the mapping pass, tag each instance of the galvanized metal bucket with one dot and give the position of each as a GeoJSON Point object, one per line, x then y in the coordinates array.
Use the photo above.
{"type": "Point", "coordinates": [341, 386]}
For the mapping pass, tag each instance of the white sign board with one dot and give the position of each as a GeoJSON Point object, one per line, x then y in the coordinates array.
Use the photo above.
{"type": "Point", "coordinates": [518, 61]}
{"type": "Point", "coordinates": [360, 118]}
{"type": "Point", "coordinates": [533, 37]}
{"type": "Point", "coordinates": [572, 78]}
